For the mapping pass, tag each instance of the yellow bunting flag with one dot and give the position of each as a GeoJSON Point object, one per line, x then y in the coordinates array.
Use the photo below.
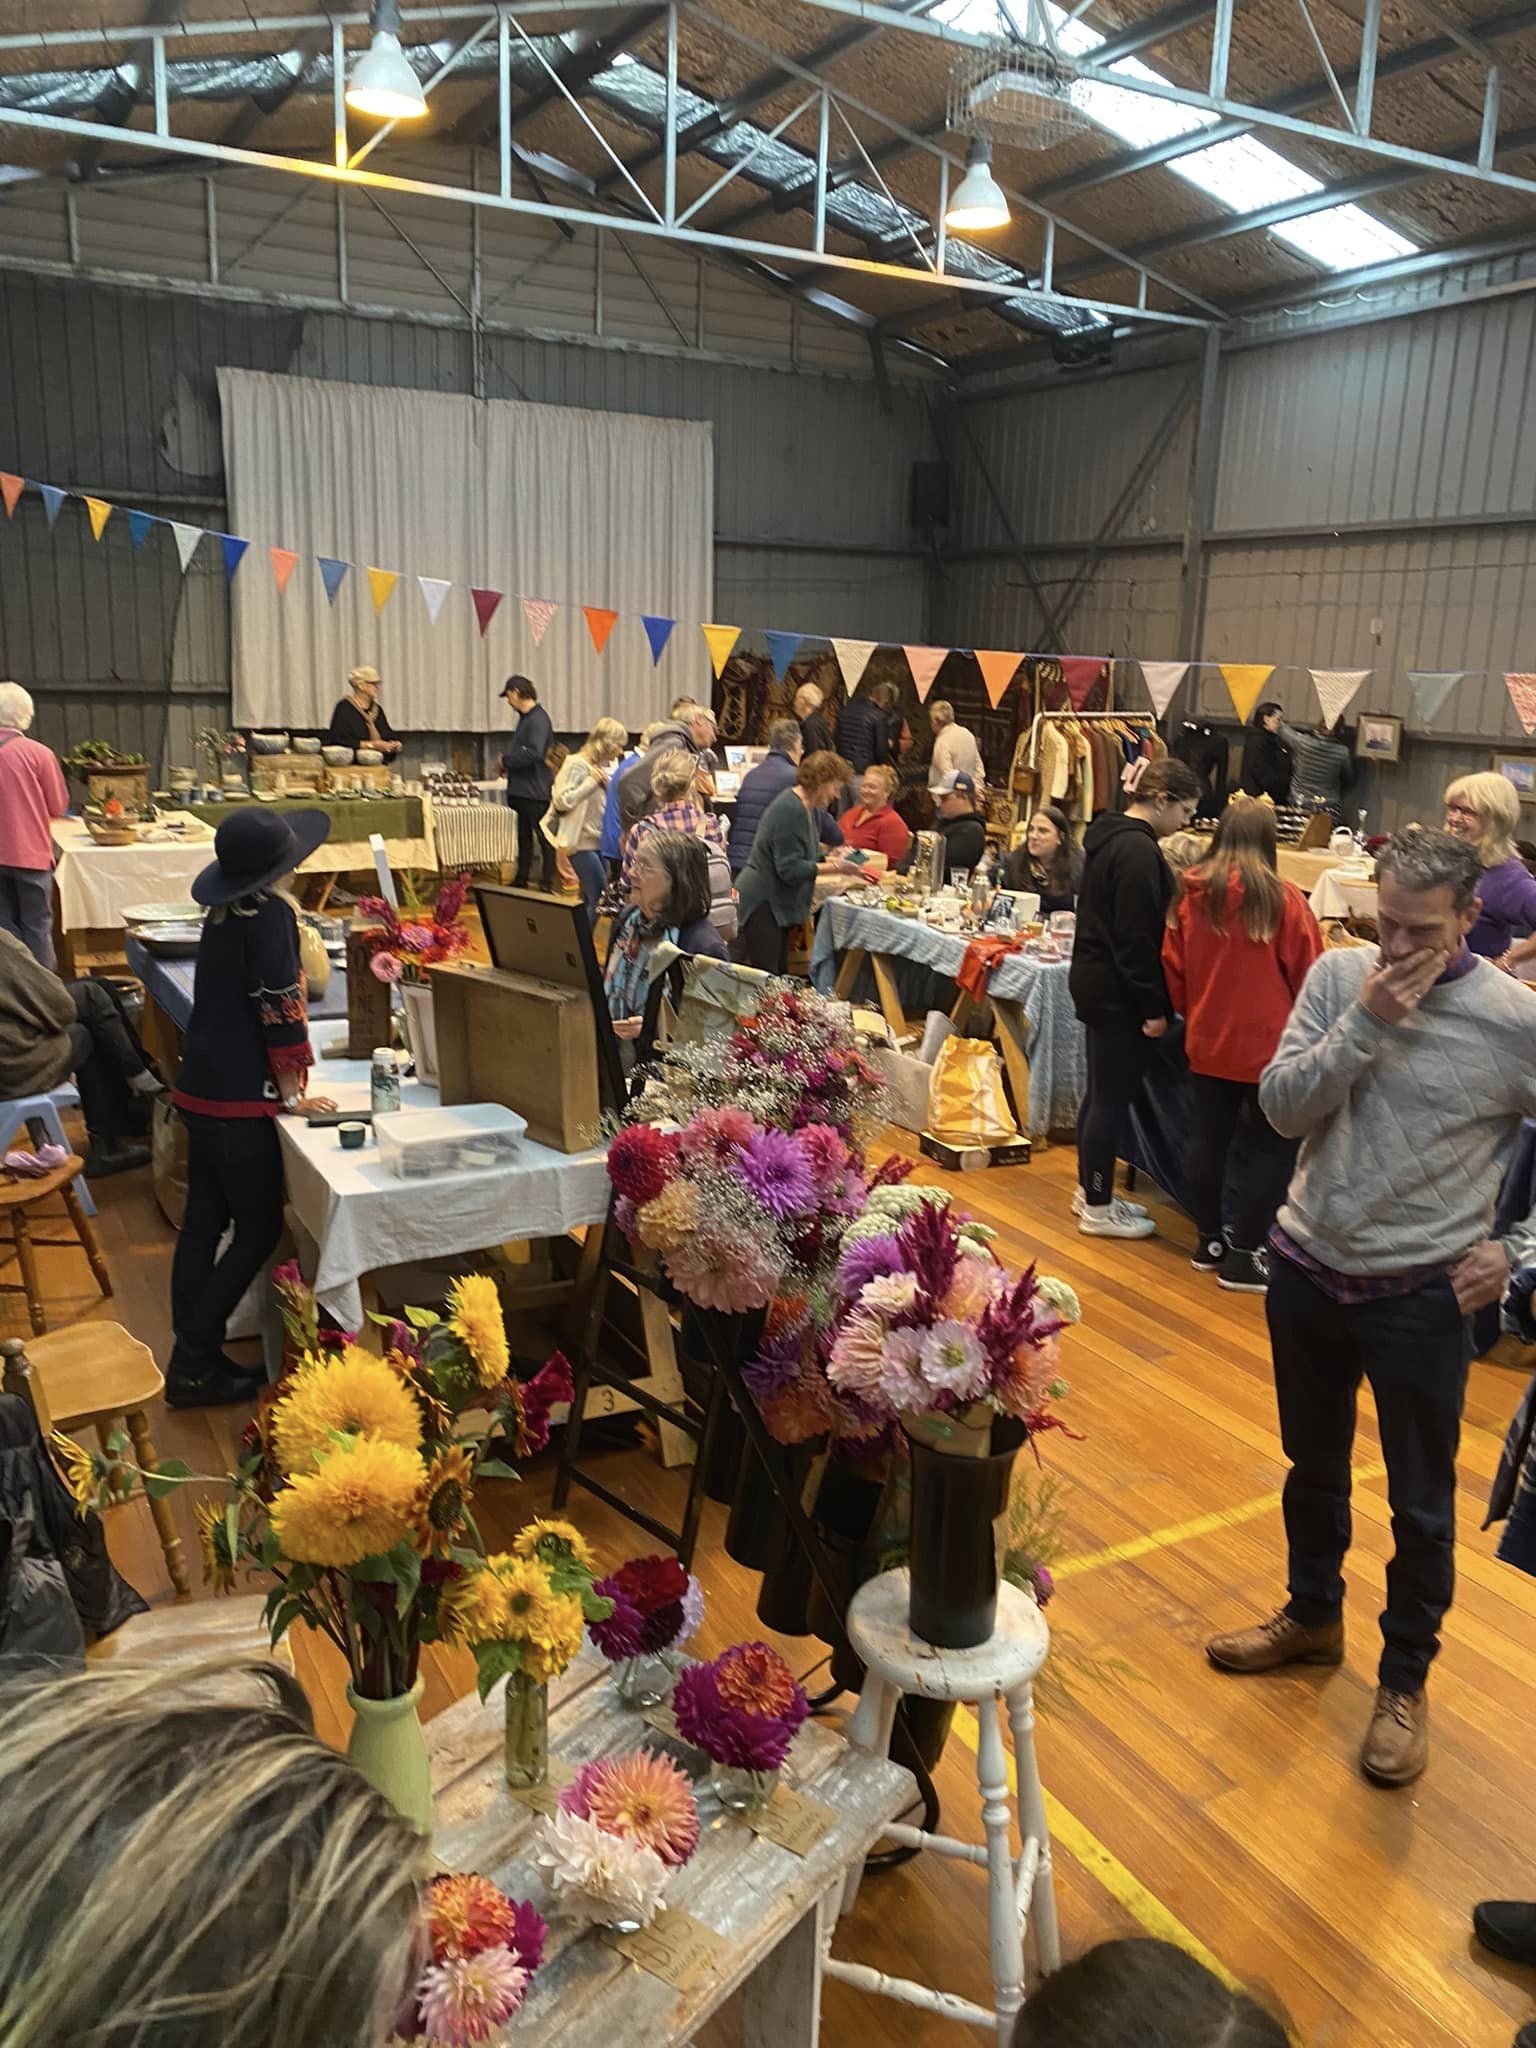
{"type": "Point", "coordinates": [720, 640]}
{"type": "Point", "coordinates": [100, 512]}
{"type": "Point", "coordinates": [996, 672]}
{"type": "Point", "coordinates": [382, 584]}
{"type": "Point", "coordinates": [600, 624]}
{"type": "Point", "coordinates": [1244, 681]}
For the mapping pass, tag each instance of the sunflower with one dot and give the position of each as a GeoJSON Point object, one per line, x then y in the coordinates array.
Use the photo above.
{"type": "Point", "coordinates": [213, 1536]}
{"type": "Point", "coordinates": [357, 1503]}
{"type": "Point", "coordinates": [526, 1594]}
{"type": "Point", "coordinates": [353, 1394]}
{"type": "Point", "coordinates": [475, 1318]}
{"type": "Point", "coordinates": [443, 1502]}
{"type": "Point", "coordinates": [562, 1632]}
{"type": "Point", "coordinates": [538, 1539]}
{"type": "Point", "coordinates": [79, 1470]}
{"type": "Point", "coordinates": [436, 1415]}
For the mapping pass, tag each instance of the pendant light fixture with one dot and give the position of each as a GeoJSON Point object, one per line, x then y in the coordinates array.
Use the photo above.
{"type": "Point", "coordinates": [978, 201]}
{"type": "Point", "coordinates": [383, 83]}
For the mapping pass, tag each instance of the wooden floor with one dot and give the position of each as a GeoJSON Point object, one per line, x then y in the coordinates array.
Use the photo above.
{"type": "Point", "coordinates": [1223, 1813]}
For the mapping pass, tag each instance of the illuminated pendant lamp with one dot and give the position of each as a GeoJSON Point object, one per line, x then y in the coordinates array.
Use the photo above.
{"type": "Point", "coordinates": [978, 201]}
{"type": "Point", "coordinates": [383, 84]}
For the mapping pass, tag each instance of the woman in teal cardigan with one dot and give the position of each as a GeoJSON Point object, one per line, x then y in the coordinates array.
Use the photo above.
{"type": "Point", "coordinates": [775, 888]}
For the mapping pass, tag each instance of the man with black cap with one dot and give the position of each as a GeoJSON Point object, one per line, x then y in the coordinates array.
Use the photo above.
{"type": "Point", "coordinates": [964, 829]}
{"type": "Point", "coordinates": [244, 1059]}
{"type": "Point", "coordinates": [529, 780]}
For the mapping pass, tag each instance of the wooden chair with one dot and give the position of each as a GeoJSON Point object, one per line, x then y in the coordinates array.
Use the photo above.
{"type": "Point", "coordinates": [17, 1198]}
{"type": "Point", "coordinates": [91, 1377]}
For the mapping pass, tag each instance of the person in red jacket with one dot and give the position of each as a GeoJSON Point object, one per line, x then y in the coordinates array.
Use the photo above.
{"type": "Point", "coordinates": [872, 824]}
{"type": "Point", "coordinates": [1234, 958]}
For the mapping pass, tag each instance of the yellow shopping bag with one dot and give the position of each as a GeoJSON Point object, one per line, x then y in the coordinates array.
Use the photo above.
{"type": "Point", "coordinates": [966, 1102]}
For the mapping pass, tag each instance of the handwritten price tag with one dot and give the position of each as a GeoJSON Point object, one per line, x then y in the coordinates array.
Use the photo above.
{"type": "Point", "coordinates": [546, 1797]}
{"type": "Point", "coordinates": [675, 1947]}
{"type": "Point", "coordinates": [793, 1821]}
{"type": "Point", "coordinates": [663, 1720]}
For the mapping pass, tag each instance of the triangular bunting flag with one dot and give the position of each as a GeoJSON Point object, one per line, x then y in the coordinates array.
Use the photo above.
{"type": "Point", "coordinates": [782, 649]}
{"type": "Point", "coordinates": [1244, 681]}
{"type": "Point", "coordinates": [658, 632]}
{"type": "Point", "coordinates": [100, 512]}
{"type": "Point", "coordinates": [11, 488]}
{"type": "Point", "coordinates": [187, 538]}
{"type": "Point", "coordinates": [485, 602]}
{"type": "Point", "coordinates": [600, 624]}
{"type": "Point", "coordinates": [139, 524]}
{"type": "Point", "coordinates": [853, 659]}
{"type": "Point", "coordinates": [434, 589]}
{"type": "Point", "coordinates": [997, 671]}
{"type": "Point", "coordinates": [381, 585]}
{"type": "Point", "coordinates": [1430, 688]}
{"type": "Point", "coordinates": [925, 663]}
{"type": "Point", "coordinates": [538, 611]}
{"type": "Point", "coordinates": [1335, 688]}
{"type": "Point", "coordinates": [52, 498]}
{"type": "Point", "coordinates": [1522, 694]}
{"type": "Point", "coordinates": [331, 574]}
{"type": "Point", "coordinates": [720, 640]}
{"type": "Point", "coordinates": [234, 552]}
{"type": "Point", "coordinates": [1162, 679]}
{"type": "Point", "coordinates": [284, 562]}
{"type": "Point", "coordinates": [1082, 674]}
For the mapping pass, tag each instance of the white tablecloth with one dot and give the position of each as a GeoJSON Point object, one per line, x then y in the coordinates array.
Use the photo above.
{"type": "Point", "coordinates": [363, 1218]}
{"type": "Point", "coordinates": [96, 884]}
{"type": "Point", "coordinates": [1343, 892]}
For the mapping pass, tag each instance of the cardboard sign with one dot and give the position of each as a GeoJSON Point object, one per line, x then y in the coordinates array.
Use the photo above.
{"type": "Point", "coordinates": [675, 1947]}
{"type": "Point", "coordinates": [663, 1720]}
{"type": "Point", "coordinates": [793, 1821]}
{"type": "Point", "coordinates": [544, 1798]}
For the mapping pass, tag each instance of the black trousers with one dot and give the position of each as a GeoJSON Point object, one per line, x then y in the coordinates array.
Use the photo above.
{"type": "Point", "coordinates": [1118, 1057]}
{"type": "Point", "coordinates": [106, 1057]}
{"type": "Point", "coordinates": [234, 1176]}
{"type": "Point", "coordinates": [529, 810]}
{"type": "Point", "coordinates": [1414, 1349]}
{"type": "Point", "coordinates": [763, 943]}
{"type": "Point", "coordinates": [1238, 1165]}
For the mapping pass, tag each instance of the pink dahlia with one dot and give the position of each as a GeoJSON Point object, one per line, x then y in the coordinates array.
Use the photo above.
{"type": "Point", "coordinates": [857, 1363]}
{"type": "Point", "coordinates": [717, 1135]}
{"type": "Point", "coordinates": [641, 1798]}
{"type": "Point", "coordinates": [743, 1710]}
{"type": "Point", "coordinates": [952, 1361]}
{"type": "Point", "coordinates": [386, 967]}
{"type": "Point", "coordinates": [469, 1998]}
{"type": "Point", "coordinates": [717, 1275]}
{"type": "Point", "coordinates": [977, 1281]}
{"type": "Point", "coordinates": [825, 1150]}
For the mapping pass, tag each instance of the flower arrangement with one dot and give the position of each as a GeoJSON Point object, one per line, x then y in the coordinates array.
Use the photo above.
{"type": "Point", "coordinates": [656, 1606]}
{"type": "Point", "coordinates": [621, 1827]}
{"type": "Point", "coordinates": [484, 1951]}
{"type": "Point", "coordinates": [530, 1606]}
{"type": "Point", "coordinates": [790, 1063]}
{"type": "Point", "coordinates": [403, 948]}
{"type": "Point", "coordinates": [743, 1710]}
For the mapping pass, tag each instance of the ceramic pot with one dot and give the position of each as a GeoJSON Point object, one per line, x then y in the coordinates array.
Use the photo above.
{"type": "Point", "coordinates": [959, 1535]}
{"type": "Point", "coordinates": [389, 1748]}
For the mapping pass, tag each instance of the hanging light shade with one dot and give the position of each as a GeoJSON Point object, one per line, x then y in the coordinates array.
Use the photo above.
{"type": "Point", "coordinates": [383, 83]}
{"type": "Point", "coordinates": [978, 200]}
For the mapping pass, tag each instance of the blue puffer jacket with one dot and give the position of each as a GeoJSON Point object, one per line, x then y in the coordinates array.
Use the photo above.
{"type": "Point", "coordinates": [863, 734]}
{"type": "Point", "coordinates": [759, 787]}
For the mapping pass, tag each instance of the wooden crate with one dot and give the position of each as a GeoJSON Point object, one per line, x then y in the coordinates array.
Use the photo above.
{"type": "Point", "coordinates": [129, 785]}
{"type": "Point", "coordinates": [530, 1045]}
{"type": "Point", "coordinates": [299, 771]}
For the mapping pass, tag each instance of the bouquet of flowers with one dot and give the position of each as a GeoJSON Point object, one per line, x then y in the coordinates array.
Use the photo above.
{"type": "Point", "coordinates": [743, 1710]}
{"type": "Point", "coordinates": [484, 1951]}
{"type": "Point", "coordinates": [403, 948]}
{"type": "Point", "coordinates": [656, 1606]}
{"type": "Point", "coordinates": [621, 1827]}
{"type": "Point", "coordinates": [529, 1607]}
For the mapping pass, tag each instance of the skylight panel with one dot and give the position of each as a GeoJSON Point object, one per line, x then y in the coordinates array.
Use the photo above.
{"type": "Point", "coordinates": [1344, 238]}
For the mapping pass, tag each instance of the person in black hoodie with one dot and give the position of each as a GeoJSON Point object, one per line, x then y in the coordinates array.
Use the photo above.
{"type": "Point", "coordinates": [1266, 757]}
{"type": "Point", "coordinates": [1116, 977]}
{"type": "Point", "coordinates": [529, 780]}
{"type": "Point", "coordinates": [865, 727]}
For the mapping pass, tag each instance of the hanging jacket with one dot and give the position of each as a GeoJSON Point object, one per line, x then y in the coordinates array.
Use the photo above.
{"type": "Point", "coordinates": [1235, 993]}
{"type": "Point", "coordinates": [1116, 975]}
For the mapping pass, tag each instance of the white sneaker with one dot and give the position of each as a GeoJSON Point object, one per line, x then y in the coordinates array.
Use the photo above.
{"type": "Point", "coordinates": [1115, 1219]}
{"type": "Point", "coordinates": [1080, 1203]}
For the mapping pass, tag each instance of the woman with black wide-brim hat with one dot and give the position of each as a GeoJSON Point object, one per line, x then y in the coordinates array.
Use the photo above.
{"type": "Point", "coordinates": [244, 1058]}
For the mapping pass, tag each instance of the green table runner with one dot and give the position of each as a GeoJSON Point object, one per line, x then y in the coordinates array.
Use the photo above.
{"type": "Point", "coordinates": [352, 818]}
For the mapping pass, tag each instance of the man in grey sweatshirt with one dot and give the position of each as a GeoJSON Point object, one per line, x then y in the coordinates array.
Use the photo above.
{"type": "Point", "coordinates": [1405, 1071]}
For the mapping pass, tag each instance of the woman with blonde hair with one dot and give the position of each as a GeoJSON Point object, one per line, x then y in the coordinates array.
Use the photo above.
{"type": "Point", "coordinates": [573, 824]}
{"type": "Point", "coordinates": [183, 1863]}
{"type": "Point", "coordinates": [1239, 947]}
{"type": "Point", "coordinates": [1485, 811]}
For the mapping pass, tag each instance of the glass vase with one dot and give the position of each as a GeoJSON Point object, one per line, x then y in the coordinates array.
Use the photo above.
{"type": "Point", "coordinates": [646, 1681]}
{"type": "Point", "coordinates": [527, 1734]}
{"type": "Point", "coordinates": [742, 1791]}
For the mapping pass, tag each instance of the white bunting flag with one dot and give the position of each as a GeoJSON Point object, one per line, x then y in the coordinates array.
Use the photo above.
{"type": "Point", "coordinates": [853, 659]}
{"type": "Point", "coordinates": [1335, 689]}
{"type": "Point", "coordinates": [433, 590]}
{"type": "Point", "coordinates": [1163, 678]}
{"type": "Point", "coordinates": [187, 538]}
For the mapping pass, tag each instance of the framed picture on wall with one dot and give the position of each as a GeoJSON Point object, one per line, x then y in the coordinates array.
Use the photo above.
{"type": "Point", "coordinates": [1520, 771]}
{"type": "Point", "coordinates": [1378, 737]}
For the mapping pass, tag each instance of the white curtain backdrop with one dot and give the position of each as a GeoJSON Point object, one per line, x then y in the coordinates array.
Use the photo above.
{"type": "Point", "coordinates": [539, 501]}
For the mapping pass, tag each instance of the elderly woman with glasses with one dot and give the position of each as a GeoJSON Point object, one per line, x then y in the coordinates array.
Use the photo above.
{"type": "Point", "coordinates": [1484, 811]}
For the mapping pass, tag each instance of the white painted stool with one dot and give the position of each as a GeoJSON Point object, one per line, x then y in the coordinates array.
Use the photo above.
{"type": "Point", "coordinates": [999, 1674]}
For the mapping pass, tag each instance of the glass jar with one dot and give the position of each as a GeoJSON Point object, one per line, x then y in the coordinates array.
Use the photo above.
{"type": "Point", "coordinates": [742, 1791]}
{"type": "Point", "coordinates": [527, 1732]}
{"type": "Point", "coordinates": [646, 1681]}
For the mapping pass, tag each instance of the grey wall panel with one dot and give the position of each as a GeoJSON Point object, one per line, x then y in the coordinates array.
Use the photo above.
{"type": "Point", "coordinates": [878, 597]}
{"type": "Point", "coordinates": [1129, 606]}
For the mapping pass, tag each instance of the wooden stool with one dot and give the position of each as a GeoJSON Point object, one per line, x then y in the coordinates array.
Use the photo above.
{"type": "Point", "coordinates": [92, 1376]}
{"type": "Point", "coordinates": [16, 1198]}
{"type": "Point", "coordinates": [997, 1676]}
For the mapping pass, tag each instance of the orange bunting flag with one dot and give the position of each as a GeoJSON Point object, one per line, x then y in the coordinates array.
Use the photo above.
{"type": "Point", "coordinates": [720, 640]}
{"type": "Point", "coordinates": [600, 624]}
{"type": "Point", "coordinates": [1244, 681]}
{"type": "Point", "coordinates": [382, 584]}
{"type": "Point", "coordinates": [996, 672]}
{"type": "Point", "coordinates": [11, 488]}
{"type": "Point", "coordinates": [284, 562]}
{"type": "Point", "coordinates": [925, 663]}
{"type": "Point", "coordinates": [100, 512]}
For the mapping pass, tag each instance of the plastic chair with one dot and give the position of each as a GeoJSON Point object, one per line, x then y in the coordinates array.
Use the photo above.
{"type": "Point", "coordinates": [44, 1124]}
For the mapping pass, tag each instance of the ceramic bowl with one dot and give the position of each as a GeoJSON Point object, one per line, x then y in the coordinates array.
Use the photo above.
{"type": "Point", "coordinates": [353, 1136]}
{"type": "Point", "coordinates": [369, 757]}
{"type": "Point", "coordinates": [269, 743]}
{"type": "Point", "coordinates": [336, 757]}
{"type": "Point", "coordinates": [304, 743]}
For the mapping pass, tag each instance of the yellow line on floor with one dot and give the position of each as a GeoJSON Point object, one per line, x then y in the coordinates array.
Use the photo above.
{"type": "Point", "coordinates": [1185, 1532]}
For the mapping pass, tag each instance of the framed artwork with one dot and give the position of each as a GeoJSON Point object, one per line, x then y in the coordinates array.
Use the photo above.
{"type": "Point", "coordinates": [1378, 737]}
{"type": "Point", "coordinates": [1520, 771]}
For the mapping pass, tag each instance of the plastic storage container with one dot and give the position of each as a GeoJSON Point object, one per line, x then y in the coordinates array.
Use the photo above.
{"type": "Point", "coordinates": [417, 1144]}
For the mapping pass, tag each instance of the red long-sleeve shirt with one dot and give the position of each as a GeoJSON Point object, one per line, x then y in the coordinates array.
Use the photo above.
{"type": "Point", "coordinates": [879, 831]}
{"type": "Point", "coordinates": [1235, 993]}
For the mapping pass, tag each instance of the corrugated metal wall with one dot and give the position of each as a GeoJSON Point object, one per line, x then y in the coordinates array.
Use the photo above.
{"type": "Point", "coordinates": [111, 389]}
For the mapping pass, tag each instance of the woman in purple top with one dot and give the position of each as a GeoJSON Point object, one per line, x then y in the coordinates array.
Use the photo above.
{"type": "Point", "coordinates": [1485, 810]}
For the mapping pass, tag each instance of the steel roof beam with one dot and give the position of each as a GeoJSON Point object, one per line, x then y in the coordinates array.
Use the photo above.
{"type": "Point", "coordinates": [576, 73]}
{"type": "Point", "coordinates": [127, 86]}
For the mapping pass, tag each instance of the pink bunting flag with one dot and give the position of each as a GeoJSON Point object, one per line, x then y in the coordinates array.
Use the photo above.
{"type": "Point", "coordinates": [538, 611]}
{"type": "Point", "coordinates": [1522, 694]}
{"type": "Point", "coordinates": [997, 672]}
{"type": "Point", "coordinates": [11, 488]}
{"type": "Point", "coordinates": [284, 562]}
{"type": "Point", "coordinates": [485, 602]}
{"type": "Point", "coordinates": [925, 663]}
{"type": "Point", "coordinates": [600, 624]}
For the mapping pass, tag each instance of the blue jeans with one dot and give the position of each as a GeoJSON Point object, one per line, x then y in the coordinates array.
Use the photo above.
{"type": "Point", "coordinates": [26, 909]}
{"type": "Point", "coordinates": [591, 874]}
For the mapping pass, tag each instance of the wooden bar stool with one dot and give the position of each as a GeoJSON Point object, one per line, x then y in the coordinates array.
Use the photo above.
{"type": "Point", "coordinates": [17, 1198]}
{"type": "Point", "coordinates": [91, 1377]}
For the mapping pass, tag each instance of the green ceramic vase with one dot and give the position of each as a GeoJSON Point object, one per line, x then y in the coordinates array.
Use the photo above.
{"type": "Point", "coordinates": [390, 1750]}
